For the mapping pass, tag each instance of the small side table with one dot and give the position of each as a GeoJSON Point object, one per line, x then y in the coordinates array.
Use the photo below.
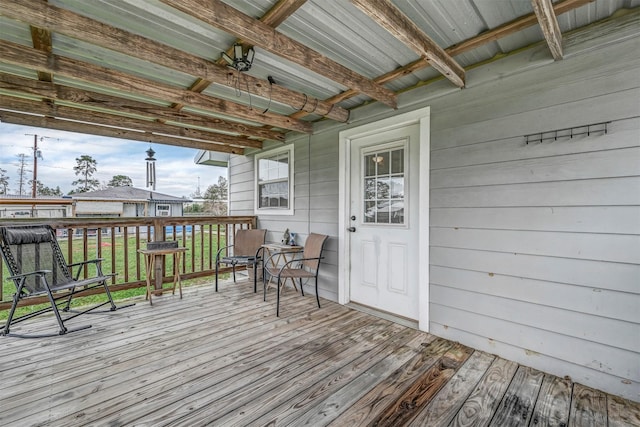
{"type": "Point", "coordinates": [153, 258]}
{"type": "Point", "coordinates": [278, 254]}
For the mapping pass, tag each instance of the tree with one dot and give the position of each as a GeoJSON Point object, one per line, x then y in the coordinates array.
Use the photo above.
{"type": "Point", "coordinates": [22, 173]}
{"type": "Point", "coordinates": [120, 181]}
{"type": "Point", "coordinates": [43, 190]}
{"type": "Point", "coordinates": [4, 181]}
{"type": "Point", "coordinates": [86, 166]}
{"type": "Point", "coordinates": [216, 198]}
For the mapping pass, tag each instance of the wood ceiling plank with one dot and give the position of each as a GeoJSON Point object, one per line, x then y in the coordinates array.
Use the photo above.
{"type": "Point", "coordinates": [52, 18]}
{"type": "Point", "coordinates": [91, 129]}
{"type": "Point", "coordinates": [93, 100]}
{"type": "Point", "coordinates": [28, 57]}
{"type": "Point", "coordinates": [389, 17]}
{"type": "Point", "coordinates": [220, 15]}
{"type": "Point", "coordinates": [104, 119]}
{"type": "Point", "coordinates": [549, 26]}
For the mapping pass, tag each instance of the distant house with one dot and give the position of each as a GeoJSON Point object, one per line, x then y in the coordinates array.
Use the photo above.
{"type": "Point", "coordinates": [13, 206]}
{"type": "Point", "coordinates": [127, 202]}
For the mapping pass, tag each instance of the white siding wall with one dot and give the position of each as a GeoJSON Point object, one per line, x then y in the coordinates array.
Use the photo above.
{"type": "Point", "coordinates": [316, 204]}
{"type": "Point", "coordinates": [535, 249]}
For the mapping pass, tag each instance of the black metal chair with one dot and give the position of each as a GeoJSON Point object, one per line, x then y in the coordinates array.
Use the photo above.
{"type": "Point", "coordinates": [37, 267]}
{"type": "Point", "coordinates": [306, 267]}
{"type": "Point", "coordinates": [246, 250]}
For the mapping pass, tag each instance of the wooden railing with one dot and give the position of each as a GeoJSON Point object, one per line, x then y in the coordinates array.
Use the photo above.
{"type": "Point", "coordinates": [117, 241]}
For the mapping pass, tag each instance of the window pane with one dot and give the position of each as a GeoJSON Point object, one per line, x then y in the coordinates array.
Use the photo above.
{"type": "Point", "coordinates": [283, 167]}
{"type": "Point", "coordinates": [369, 165]}
{"type": "Point", "coordinates": [397, 212]}
{"type": "Point", "coordinates": [369, 189]}
{"type": "Point", "coordinates": [274, 195]}
{"type": "Point", "coordinates": [397, 161]}
{"type": "Point", "coordinates": [369, 211]}
{"type": "Point", "coordinates": [383, 163]}
{"type": "Point", "coordinates": [383, 188]}
{"type": "Point", "coordinates": [397, 187]}
{"type": "Point", "coordinates": [382, 213]}
{"type": "Point", "coordinates": [262, 169]}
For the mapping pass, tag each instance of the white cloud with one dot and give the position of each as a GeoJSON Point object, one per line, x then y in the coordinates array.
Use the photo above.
{"type": "Point", "coordinates": [176, 172]}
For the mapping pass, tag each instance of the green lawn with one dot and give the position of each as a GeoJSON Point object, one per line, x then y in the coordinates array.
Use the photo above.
{"type": "Point", "coordinates": [193, 243]}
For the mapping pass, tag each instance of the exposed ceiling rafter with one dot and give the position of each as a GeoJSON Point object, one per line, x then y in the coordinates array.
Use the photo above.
{"type": "Point", "coordinates": [93, 129]}
{"type": "Point", "coordinates": [549, 25]}
{"type": "Point", "coordinates": [68, 112]}
{"type": "Point", "coordinates": [31, 58]}
{"type": "Point", "coordinates": [274, 17]}
{"type": "Point", "coordinates": [220, 15]}
{"type": "Point", "coordinates": [396, 23]}
{"type": "Point", "coordinates": [22, 86]}
{"type": "Point", "coordinates": [52, 18]}
{"type": "Point", "coordinates": [468, 45]}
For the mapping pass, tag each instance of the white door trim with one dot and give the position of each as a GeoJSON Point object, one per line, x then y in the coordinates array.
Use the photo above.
{"type": "Point", "coordinates": [422, 117]}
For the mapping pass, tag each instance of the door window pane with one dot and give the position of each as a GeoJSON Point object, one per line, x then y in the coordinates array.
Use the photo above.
{"type": "Point", "coordinates": [383, 186]}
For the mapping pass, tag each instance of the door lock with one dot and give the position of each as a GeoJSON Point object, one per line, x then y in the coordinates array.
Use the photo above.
{"type": "Point", "coordinates": [353, 217]}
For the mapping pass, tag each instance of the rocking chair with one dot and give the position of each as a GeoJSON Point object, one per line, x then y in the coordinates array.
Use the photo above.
{"type": "Point", "coordinates": [37, 267]}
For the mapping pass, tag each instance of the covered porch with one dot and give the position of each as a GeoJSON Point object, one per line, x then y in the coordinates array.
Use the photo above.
{"type": "Point", "coordinates": [225, 359]}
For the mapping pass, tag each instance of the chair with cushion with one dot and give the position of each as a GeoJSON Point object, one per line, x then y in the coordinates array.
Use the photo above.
{"type": "Point", "coordinates": [306, 267]}
{"type": "Point", "coordinates": [38, 268]}
{"type": "Point", "coordinates": [246, 250]}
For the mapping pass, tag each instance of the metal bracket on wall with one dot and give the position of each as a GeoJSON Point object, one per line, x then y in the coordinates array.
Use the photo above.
{"type": "Point", "coordinates": [568, 133]}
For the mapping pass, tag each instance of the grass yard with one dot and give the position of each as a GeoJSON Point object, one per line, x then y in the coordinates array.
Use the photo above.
{"type": "Point", "coordinates": [119, 250]}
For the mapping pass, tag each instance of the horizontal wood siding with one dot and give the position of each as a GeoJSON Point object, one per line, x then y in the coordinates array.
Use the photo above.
{"type": "Point", "coordinates": [315, 200]}
{"type": "Point", "coordinates": [534, 248]}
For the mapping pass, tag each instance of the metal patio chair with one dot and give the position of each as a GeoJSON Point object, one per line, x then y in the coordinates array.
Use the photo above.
{"type": "Point", "coordinates": [37, 267]}
{"type": "Point", "coordinates": [306, 267]}
{"type": "Point", "coordinates": [246, 250]}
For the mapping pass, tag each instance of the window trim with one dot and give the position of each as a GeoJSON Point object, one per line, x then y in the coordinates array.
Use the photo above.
{"type": "Point", "coordinates": [256, 199]}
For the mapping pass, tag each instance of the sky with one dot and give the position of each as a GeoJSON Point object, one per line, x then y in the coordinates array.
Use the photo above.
{"type": "Point", "coordinates": [176, 173]}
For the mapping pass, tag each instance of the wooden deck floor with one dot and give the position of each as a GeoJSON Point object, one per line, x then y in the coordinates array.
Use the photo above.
{"type": "Point", "coordinates": [224, 359]}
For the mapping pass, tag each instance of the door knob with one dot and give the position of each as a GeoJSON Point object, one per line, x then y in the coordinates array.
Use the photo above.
{"type": "Point", "coordinates": [351, 229]}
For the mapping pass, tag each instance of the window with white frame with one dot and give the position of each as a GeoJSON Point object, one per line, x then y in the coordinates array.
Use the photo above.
{"type": "Point", "coordinates": [274, 182]}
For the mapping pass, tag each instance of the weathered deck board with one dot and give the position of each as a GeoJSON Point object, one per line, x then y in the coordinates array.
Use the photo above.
{"type": "Point", "coordinates": [225, 359]}
{"type": "Point", "coordinates": [516, 407]}
{"type": "Point", "coordinates": [554, 403]}
{"type": "Point", "coordinates": [588, 407]}
{"type": "Point", "coordinates": [446, 404]}
{"type": "Point", "coordinates": [483, 401]}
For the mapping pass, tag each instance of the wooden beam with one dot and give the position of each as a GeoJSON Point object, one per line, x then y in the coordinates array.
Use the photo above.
{"type": "Point", "coordinates": [226, 18]}
{"type": "Point", "coordinates": [52, 18]}
{"type": "Point", "coordinates": [475, 42]}
{"type": "Point", "coordinates": [118, 120]}
{"type": "Point", "coordinates": [42, 41]}
{"type": "Point", "coordinates": [401, 27]}
{"type": "Point", "coordinates": [92, 129]}
{"type": "Point", "coordinates": [549, 26]}
{"type": "Point", "coordinates": [22, 86]}
{"type": "Point", "coordinates": [16, 54]}
{"type": "Point", "coordinates": [281, 11]}
{"type": "Point", "coordinates": [512, 27]}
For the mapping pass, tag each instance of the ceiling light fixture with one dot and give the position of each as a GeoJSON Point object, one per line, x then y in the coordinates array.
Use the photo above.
{"type": "Point", "coordinates": [241, 60]}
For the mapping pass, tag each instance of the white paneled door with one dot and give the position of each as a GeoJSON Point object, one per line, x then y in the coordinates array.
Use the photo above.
{"type": "Point", "coordinates": [383, 221]}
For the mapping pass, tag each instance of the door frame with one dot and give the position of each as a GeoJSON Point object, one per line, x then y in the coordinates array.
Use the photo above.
{"type": "Point", "coordinates": [422, 118]}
